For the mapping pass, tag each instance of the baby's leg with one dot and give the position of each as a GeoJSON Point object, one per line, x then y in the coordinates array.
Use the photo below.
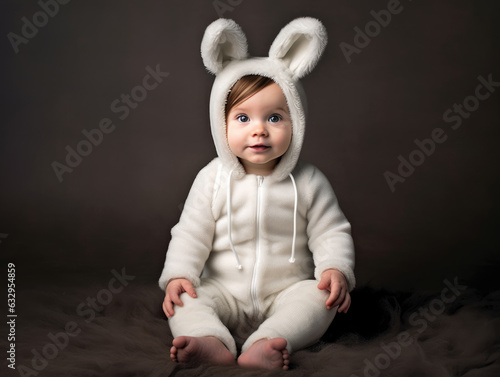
{"type": "Point", "coordinates": [298, 315]}
{"type": "Point", "coordinates": [198, 327]}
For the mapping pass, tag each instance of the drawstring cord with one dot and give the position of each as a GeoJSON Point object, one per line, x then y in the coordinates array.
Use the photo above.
{"type": "Point", "coordinates": [292, 258]}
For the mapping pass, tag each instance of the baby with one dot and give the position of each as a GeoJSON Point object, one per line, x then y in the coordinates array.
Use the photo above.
{"type": "Point", "coordinates": [262, 257]}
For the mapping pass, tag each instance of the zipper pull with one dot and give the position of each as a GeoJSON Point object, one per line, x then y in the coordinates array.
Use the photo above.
{"type": "Point", "coordinates": [260, 179]}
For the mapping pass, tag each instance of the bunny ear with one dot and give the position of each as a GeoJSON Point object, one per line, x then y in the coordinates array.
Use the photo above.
{"type": "Point", "coordinates": [223, 41]}
{"type": "Point", "coordinates": [300, 45]}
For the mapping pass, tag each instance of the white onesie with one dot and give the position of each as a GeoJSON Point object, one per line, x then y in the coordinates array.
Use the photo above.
{"type": "Point", "coordinates": [254, 247]}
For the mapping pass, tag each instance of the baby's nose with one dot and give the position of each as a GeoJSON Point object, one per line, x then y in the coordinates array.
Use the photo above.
{"type": "Point", "coordinates": [259, 129]}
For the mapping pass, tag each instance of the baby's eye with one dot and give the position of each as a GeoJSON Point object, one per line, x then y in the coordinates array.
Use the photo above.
{"type": "Point", "coordinates": [275, 118]}
{"type": "Point", "coordinates": [242, 118]}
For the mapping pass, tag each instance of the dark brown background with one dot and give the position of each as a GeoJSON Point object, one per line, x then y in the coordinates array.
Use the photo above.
{"type": "Point", "coordinates": [117, 207]}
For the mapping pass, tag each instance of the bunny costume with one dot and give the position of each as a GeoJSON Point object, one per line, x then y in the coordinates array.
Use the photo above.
{"type": "Point", "coordinates": [255, 247]}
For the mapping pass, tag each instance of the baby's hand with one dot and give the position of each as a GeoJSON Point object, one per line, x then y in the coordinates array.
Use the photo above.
{"type": "Point", "coordinates": [335, 282]}
{"type": "Point", "coordinates": [172, 294]}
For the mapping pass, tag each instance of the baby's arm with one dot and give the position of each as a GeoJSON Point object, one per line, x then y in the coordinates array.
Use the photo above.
{"type": "Point", "coordinates": [335, 282]}
{"type": "Point", "coordinates": [330, 242]}
{"type": "Point", "coordinates": [172, 294]}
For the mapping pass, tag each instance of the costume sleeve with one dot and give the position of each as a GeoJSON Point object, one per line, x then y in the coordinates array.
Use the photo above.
{"type": "Point", "coordinates": [328, 230]}
{"type": "Point", "coordinates": [192, 236]}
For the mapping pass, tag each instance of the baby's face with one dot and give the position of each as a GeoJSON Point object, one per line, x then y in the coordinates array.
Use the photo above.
{"type": "Point", "coordinates": [259, 130]}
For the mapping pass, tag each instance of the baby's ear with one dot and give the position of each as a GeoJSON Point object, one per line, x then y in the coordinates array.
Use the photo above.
{"type": "Point", "coordinates": [300, 45]}
{"type": "Point", "coordinates": [223, 41]}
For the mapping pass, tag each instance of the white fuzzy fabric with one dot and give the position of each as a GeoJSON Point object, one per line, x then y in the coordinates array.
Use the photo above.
{"type": "Point", "coordinates": [200, 241]}
{"type": "Point", "coordinates": [223, 41]}
{"type": "Point", "coordinates": [232, 219]}
{"type": "Point", "coordinates": [300, 44]}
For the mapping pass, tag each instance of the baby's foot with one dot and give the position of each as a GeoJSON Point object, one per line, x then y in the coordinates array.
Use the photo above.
{"type": "Point", "coordinates": [266, 353]}
{"type": "Point", "coordinates": [186, 349]}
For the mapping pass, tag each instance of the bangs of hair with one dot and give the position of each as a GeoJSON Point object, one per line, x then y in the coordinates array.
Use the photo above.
{"type": "Point", "coordinates": [244, 88]}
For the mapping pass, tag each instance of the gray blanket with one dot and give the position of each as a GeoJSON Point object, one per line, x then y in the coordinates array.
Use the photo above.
{"type": "Point", "coordinates": [83, 332]}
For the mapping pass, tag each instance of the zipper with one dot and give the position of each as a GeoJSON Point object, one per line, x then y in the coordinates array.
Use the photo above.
{"type": "Point", "coordinates": [260, 179]}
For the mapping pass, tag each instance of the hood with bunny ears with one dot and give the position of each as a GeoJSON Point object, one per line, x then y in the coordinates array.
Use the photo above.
{"type": "Point", "coordinates": [293, 54]}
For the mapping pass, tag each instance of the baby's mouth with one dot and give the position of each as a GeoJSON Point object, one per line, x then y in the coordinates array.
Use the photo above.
{"type": "Point", "coordinates": [259, 147]}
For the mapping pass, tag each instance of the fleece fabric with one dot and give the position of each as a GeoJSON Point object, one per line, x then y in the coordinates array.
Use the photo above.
{"type": "Point", "coordinates": [262, 221]}
{"type": "Point", "coordinates": [257, 236]}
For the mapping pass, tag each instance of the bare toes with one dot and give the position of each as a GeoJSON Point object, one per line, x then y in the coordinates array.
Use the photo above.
{"type": "Point", "coordinates": [173, 354]}
{"type": "Point", "coordinates": [268, 354]}
{"type": "Point", "coordinates": [200, 349]}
